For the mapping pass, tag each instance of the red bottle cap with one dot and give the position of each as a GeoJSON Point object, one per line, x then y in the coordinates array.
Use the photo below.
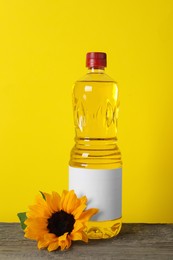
{"type": "Point", "coordinates": [96, 60]}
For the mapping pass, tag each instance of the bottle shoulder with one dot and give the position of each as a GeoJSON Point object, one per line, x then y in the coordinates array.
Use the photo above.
{"type": "Point", "coordinates": [91, 77]}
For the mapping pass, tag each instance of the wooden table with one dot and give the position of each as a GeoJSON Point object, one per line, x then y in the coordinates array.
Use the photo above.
{"type": "Point", "coordinates": [136, 241]}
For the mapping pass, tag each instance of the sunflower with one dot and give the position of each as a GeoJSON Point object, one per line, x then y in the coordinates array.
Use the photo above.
{"type": "Point", "coordinates": [54, 221]}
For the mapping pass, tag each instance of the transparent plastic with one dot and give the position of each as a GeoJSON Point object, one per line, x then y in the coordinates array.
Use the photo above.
{"type": "Point", "coordinates": [96, 106]}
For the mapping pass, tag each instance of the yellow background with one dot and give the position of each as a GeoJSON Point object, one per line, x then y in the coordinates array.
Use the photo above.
{"type": "Point", "coordinates": [42, 52]}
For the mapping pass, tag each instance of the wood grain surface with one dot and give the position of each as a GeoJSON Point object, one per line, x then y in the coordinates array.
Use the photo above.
{"type": "Point", "coordinates": [136, 241]}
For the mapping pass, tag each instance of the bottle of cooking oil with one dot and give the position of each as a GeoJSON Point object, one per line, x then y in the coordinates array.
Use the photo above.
{"type": "Point", "coordinates": [95, 167]}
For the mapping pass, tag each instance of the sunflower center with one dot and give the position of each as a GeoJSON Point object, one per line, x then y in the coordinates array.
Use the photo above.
{"type": "Point", "coordinates": [60, 223]}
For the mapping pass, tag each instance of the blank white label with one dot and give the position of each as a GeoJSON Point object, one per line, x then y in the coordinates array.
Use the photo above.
{"type": "Point", "coordinates": [103, 188]}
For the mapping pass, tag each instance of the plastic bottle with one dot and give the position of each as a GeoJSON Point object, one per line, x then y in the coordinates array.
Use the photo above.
{"type": "Point", "coordinates": [95, 167]}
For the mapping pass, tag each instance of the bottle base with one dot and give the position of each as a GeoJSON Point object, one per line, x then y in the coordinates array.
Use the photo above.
{"type": "Point", "coordinates": [103, 229]}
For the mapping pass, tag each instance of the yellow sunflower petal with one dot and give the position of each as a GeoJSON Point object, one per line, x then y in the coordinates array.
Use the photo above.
{"type": "Point", "coordinates": [64, 193]}
{"type": "Point", "coordinates": [63, 241]}
{"type": "Point", "coordinates": [34, 234]}
{"type": "Point", "coordinates": [56, 201]}
{"type": "Point", "coordinates": [50, 236]}
{"type": "Point", "coordinates": [63, 245]}
{"type": "Point", "coordinates": [53, 246]}
{"type": "Point", "coordinates": [67, 198]}
{"type": "Point", "coordinates": [86, 215]}
{"type": "Point", "coordinates": [84, 237]}
{"type": "Point", "coordinates": [42, 244]}
{"type": "Point", "coordinates": [40, 222]}
{"type": "Point", "coordinates": [40, 209]}
{"type": "Point", "coordinates": [36, 228]}
{"type": "Point", "coordinates": [53, 201]}
{"type": "Point", "coordinates": [40, 201]}
{"type": "Point", "coordinates": [35, 210]}
{"type": "Point", "coordinates": [76, 236]}
{"type": "Point", "coordinates": [63, 237]}
{"type": "Point", "coordinates": [77, 226]}
{"type": "Point", "coordinates": [48, 240]}
{"type": "Point", "coordinates": [83, 200]}
{"type": "Point", "coordinates": [77, 212]}
{"type": "Point", "coordinates": [68, 242]}
{"type": "Point", "coordinates": [48, 198]}
{"type": "Point", "coordinates": [31, 214]}
{"type": "Point", "coordinates": [73, 200]}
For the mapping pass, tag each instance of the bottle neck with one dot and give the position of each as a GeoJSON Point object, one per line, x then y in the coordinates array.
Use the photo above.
{"type": "Point", "coordinates": [97, 70]}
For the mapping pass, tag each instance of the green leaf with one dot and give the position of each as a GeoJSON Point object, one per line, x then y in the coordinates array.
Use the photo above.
{"type": "Point", "coordinates": [43, 195]}
{"type": "Point", "coordinates": [22, 217]}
